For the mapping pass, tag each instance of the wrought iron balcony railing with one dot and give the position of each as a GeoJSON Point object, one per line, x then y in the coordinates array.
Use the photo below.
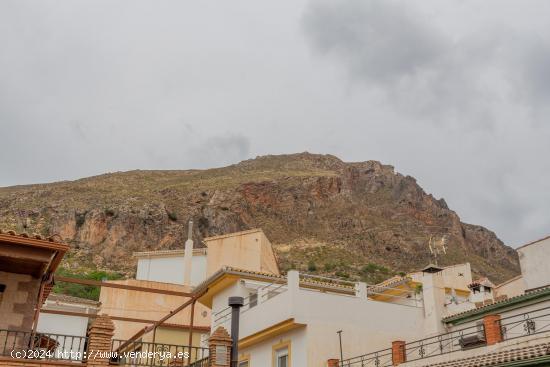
{"type": "Point", "coordinates": [379, 358]}
{"type": "Point", "coordinates": [528, 323]}
{"type": "Point", "coordinates": [139, 353]}
{"type": "Point", "coordinates": [466, 338]}
{"type": "Point", "coordinates": [29, 345]}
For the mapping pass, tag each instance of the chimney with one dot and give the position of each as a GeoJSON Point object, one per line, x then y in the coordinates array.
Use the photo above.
{"type": "Point", "coordinates": [188, 256]}
{"type": "Point", "coordinates": [433, 295]}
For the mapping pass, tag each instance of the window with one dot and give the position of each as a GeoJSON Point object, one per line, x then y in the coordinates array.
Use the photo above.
{"type": "Point", "coordinates": [281, 355]}
{"type": "Point", "coordinates": [244, 360]}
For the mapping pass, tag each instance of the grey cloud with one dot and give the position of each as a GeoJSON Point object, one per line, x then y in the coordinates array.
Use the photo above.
{"type": "Point", "coordinates": [378, 40]}
{"type": "Point", "coordinates": [454, 93]}
{"type": "Point", "coordinates": [220, 150]}
{"type": "Point", "coordinates": [422, 70]}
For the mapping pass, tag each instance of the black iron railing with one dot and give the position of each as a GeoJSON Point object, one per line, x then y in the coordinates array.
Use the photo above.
{"type": "Point", "coordinates": [200, 363]}
{"type": "Point", "coordinates": [532, 322]}
{"type": "Point", "coordinates": [379, 358]}
{"type": "Point", "coordinates": [467, 338]}
{"type": "Point", "coordinates": [139, 353]}
{"type": "Point", "coordinates": [29, 345]}
{"type": "Point", "coordinates": [516, 326]}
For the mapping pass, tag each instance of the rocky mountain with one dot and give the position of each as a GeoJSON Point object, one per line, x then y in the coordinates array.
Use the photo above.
{"type": "Point", "coordinates": [352, 220]}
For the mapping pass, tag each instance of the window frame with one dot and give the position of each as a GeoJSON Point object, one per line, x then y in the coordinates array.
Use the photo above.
{"type": "Point", "coordinates": [277, 347]}
{"type": "Point", "coordinates": [244, 358]}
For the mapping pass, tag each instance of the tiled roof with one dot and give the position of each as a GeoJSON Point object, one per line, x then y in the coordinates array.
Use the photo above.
{"type": "Point", "coordinates": [51, 243]}
{"type": "Point", "coordinates": [389, 283]}
{"type": "Point", "coordinates": [273, 279]}
{"type": "Point", "coordinates": [196, 251]}
{"type": "Point", "coordinates": [484, 281]}
{"type": "Point", "coordinates": [35, 236]}
{"type": "Point", "coordinates": [498, 304]}
{"type": "Point", "coordinates": [500, 358]}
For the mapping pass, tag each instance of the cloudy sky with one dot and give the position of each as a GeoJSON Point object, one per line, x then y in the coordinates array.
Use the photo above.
{"type": "Point", "coordinates": [453, 92]}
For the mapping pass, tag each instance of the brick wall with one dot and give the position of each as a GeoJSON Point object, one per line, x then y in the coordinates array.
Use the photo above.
{"type": "Point", "coordinates": [398, 353]}
{"type": "Point", "coordinates": [493, 331]}
{"type": "Point", "coordinates": [220, 342]}
{"type": "Point", "coordinates": [18, 301]}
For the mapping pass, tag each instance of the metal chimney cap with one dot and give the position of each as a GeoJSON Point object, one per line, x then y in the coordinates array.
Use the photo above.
{"type": "Point", "coordinates": [235, 301]}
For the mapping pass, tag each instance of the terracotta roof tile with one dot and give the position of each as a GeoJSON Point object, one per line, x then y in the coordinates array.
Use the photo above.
{"type": "Point", "coordinates": [496, 358]}
{"type": "Point", "coordinates": [35, 236]}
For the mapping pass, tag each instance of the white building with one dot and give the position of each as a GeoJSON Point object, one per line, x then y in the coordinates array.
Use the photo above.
{"type": "Point", "coordinates": [294, 320]}
{"type": "Point", "coordinates": [168, 266]}
{"type": "Point", "coordinates": [68, 332]}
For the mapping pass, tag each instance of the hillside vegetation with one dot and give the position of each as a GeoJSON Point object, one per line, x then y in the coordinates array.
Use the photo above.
{"type": "Point", "coordinates": [351, 220]}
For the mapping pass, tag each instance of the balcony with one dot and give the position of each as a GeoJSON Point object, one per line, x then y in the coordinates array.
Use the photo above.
{"type": "Point", "coordinates": [42, 346]}
{"type": "Point", "coordinates": [488, 337]}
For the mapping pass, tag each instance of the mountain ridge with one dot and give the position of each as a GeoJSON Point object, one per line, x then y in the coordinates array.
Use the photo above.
{"type": "Point", "coordinates": [356, 220]}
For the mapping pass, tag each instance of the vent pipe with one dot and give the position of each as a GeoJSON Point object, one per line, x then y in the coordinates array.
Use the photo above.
{"type": "Point", "coordinates": [188, 256]}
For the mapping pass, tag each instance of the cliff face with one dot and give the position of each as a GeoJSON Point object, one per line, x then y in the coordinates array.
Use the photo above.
{"type": "Point", "coordinates": [356, 220]}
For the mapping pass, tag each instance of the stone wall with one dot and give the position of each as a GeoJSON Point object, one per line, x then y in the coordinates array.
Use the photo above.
{"type": "Point", "coordinates": [18, 300]}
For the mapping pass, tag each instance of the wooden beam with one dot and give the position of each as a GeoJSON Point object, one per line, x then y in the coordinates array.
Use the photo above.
{"type": "Point", "coordinates": [98, 283]}
{"type": "Point", "coordinates": [120, 318]}
{"type": "Point", "coordinates": [162, 320]}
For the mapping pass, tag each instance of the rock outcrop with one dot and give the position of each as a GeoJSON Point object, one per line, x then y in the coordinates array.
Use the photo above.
{"type": "Point", "coordinates": [323, 215]}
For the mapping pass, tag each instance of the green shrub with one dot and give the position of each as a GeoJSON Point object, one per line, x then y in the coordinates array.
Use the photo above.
{"type": "Point", "coordinates": [82, 291]}
{"type": "Point", "coordinates": [80, 218]}
{"type": "Point", "coordinates": [311, 266]}
{"type": "Point", "coordinates": [173, 216]}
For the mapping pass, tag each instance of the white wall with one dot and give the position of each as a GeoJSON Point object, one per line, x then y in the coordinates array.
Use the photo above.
{"type": "Point", "coordinates": [511, 288]}
{"type": "Point", "coordinates": [534, 260]}
{"type": "Point", "coordinates": [64, 325]}
{"type": "Point", "coordinates": [367, 325]}
{"type": "Point", "coordinates": [171, 269]}
{"type": "Point", "coordinates": [261, 354]}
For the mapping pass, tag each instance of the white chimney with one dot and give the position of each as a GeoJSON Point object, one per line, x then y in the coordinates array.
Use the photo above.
{"type": "Point", "coordinates": [188, 256]}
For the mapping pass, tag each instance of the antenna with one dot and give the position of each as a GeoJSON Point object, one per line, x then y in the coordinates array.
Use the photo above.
{"type": "Point", "coordinates": [438, 248]}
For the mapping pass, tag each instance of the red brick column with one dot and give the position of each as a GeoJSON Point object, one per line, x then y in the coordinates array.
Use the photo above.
{"type": "Point", "coordinates": [493, 332]}
{"type": "Point", "coordinates": [333, 362]}
{"type": "Point", "coordinates": [220, 348]}
{"type": "Point", "coordinates": [99, 340]}
{"type": "Point", "coordinates": [398, 354]}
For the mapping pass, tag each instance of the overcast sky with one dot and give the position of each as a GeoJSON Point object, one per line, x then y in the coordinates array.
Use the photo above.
{"type": "Point", "coordinates": [455, 93]}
